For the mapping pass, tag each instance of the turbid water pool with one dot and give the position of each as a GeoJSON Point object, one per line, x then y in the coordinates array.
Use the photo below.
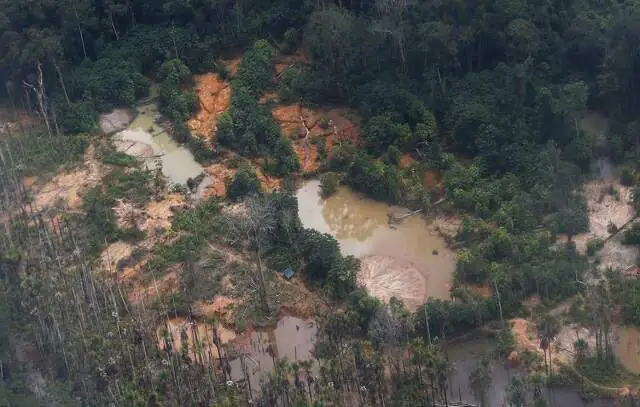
{"type": "Point", "coordinates": [409, 260]}
{"type": "Point", "coordinates": [147, 140]}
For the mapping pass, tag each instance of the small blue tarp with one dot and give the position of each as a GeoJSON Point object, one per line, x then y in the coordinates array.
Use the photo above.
{"type": "Point", "coordinates": [288, 273]}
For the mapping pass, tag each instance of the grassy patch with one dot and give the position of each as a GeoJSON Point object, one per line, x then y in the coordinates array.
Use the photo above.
{"type": "Point", "coordinates": [35, 153]}
{"type": "Point", "coordinates": [198, 225]}
{"type": "Point", "coordinates": [98, 203]}
{"type": "Point", "coordinates": [119, 158]}
{"type": "Point", "coordinates": [606, 373]}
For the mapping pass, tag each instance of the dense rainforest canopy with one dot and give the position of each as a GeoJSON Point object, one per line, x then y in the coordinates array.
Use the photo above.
{"type": "Point", "coordinates": [486, 93]}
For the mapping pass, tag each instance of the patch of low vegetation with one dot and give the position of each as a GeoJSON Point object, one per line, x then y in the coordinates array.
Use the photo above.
{"type": "Point", "coordinates": [329, 182]}
{"type": "Point", "coordinates": [631, 236]}
{"type": "Point", "coordinates": [245, 182]}
{"type": "Point", "coordinates": [118, 158]}
{"type": "Point", "coordinates": [132, 185]}
{"type": "Point", "coordinates": [194, 227]}
{"type": "Point", "coordinates": [593, 245]}
{"type": "Point", "coordinates": [40, 153]}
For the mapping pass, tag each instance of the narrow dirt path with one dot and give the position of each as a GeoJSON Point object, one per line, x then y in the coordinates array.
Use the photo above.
{"type": "Point", "coordinates": [306, 137]}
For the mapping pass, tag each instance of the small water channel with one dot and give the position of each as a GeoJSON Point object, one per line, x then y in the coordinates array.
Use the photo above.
{"type": "Point", "coordinates": [147, 140]}
{"type": "Point", "coordinates": [410, 260]}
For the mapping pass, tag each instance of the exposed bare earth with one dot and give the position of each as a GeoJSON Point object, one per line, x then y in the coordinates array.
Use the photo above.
{"type": "Point", "coordinates": [305, 127]}
{"type": "Point", "coordinates": [605, 209]}
{"type": "Point", "coordinates": [221, 307]}
{"type": "Point", "coordinates": [113, 254]}
{"type": "Point", "coordinates": [67, 186]}
{"type": "Point", "coordinates": [115, 121]}
{"type": "Point", "coordinates": [214, 97]}
{"type": "Point", "coordinates": [199, 336]}
{"type": "Point", "coordinates": [446, 226]}
{"type": "Point", "coordinates": [385, 277]}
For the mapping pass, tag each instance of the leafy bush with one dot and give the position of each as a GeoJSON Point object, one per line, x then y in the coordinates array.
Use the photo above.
{"type": "Point", "coordinates": [329, 182]}
{"type": "Point", "coordinates": [286, 161]}
{"type": "Point", "coordinates": [256, 70]}
{"type": "Point", "coordinates": [593, 245]}
{"type": "Point", "coordinates": [79, 117]}
{"type": "Point", "coordinates": [636, 199]}
{"type": "Point", "coordinates": [627, 177]}
{"type": "Point", "coordinates": [327, 266]}
{"type": "Point", "coordinates": [393, 155]}
{"type": "Point", "coordinates": [632, 235]}
{"type": "Point", "coordinates": [176, 104]}
{"type": "Point", "coordinates": [109, 83]}
{"type": "Point", "coordinates": [505, 342]}
{"type": "Point", "coordinates": [118, 158]}
{"type": "Point", "coordinates": [244, 183]}
{"type": "Point", "coordinates": [293, 84]}
{"type": "Point", "coordinates": [630, 302]}
{"type": "Point", "coordinates": [291, 40]}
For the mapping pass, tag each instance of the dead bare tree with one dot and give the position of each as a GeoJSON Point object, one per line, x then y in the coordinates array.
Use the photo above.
{"type": "Point", "coordinates": [39, 90]}
{"type": "Point", "coordinates": [258, 225]}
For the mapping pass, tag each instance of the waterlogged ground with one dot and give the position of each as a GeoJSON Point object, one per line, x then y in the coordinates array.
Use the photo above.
{"type": "Point", "coordinates": [410, 260]}
{"type": "Point", "coordinates": [145, 139]}
{"type": "Point", "coordinates": [292, 339]}
{"type": "Point", "coordinates": [465, 358]}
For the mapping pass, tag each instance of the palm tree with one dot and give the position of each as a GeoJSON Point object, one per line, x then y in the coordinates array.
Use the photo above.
{"type": "Point", "coordinates": [548, 328]}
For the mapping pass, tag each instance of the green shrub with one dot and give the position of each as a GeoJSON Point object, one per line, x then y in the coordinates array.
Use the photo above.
{"type": "Point", "coordinates": [256, 69]}
{"type": "Point", "coordinates": [593, 245]}
{"type": "Point", "coordinates": [244, 183]}
{"type": "Point", "coordinates": [329, 182]}
{"type": "Point", "coordinates": [393, 155]}
{"type": "Point", "coordinates": [324, 122]}
{"type": "Point", "coordinates": [285, 159]}
{"type": "Point", "coordinates": [109, 83]}
{"type": "Point", "coordinates": [627, 177]}
{"type": "Point", "coordinates": [201, 152]}
{"type": "Point", "coordinates": [636, 199]}
{"type": "Point", "coordinates": [132, 234]}
{"type": "Point", "coordinates": [291, 40]}
{"type": "Point", "coordinates": [119, 158]}
{"type": "Point", "coordinates": [632, 235]}
{"type": "Point", "coordinates": [505, 342]}
{"type": "Point", "coordinates": [79, 117]}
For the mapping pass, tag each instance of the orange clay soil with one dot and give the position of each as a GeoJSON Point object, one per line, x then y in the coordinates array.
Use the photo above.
{"type": "Point", "coordinates": [232, 65]}
{"type": "Point", "coordinates": [303, 125]}
{"type": "Point", "coordinates": [214, 97]}
{"type": "Point", "coordinates": [168, 284]}
{"type": "Point", "coordinates": [407, 160]}
{"type": "Point", "coordinates": [220, 172]}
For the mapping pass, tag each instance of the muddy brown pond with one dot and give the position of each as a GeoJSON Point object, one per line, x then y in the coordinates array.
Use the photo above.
{"type": "Point", "coordinates": [409, 260]}
{"type": "Point", "coordinates": [145, 139]}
